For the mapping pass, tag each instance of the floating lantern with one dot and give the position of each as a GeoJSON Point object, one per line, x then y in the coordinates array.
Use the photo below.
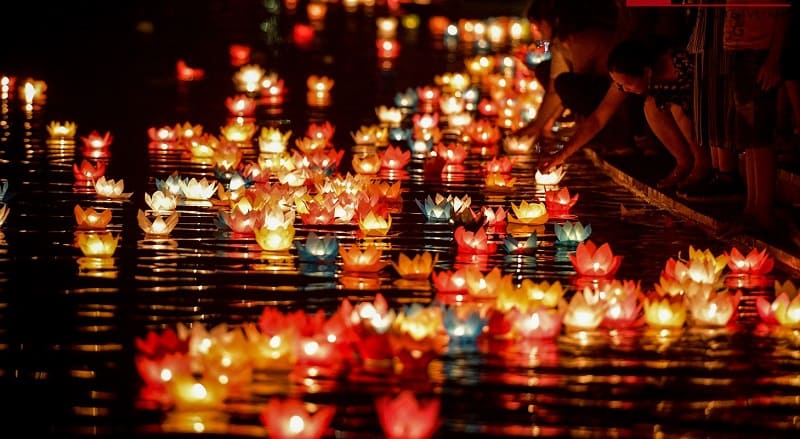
{"type": "Point", "coordinates": [239, 54]}
{"type": "Point", "coordinates": [273, 141]}
{"type": "Point", "coordinates": [87, 173]}
{"type": "Point", "coordinates": [240, 105]}
{"type": "Point", "coordinates": [161, 201]}
{"type": "Point", "coordinates": [785, 294]}
{"type": "Point", "coordinates": [464, 324]}
{"type": "Point", "coordinates": [194, 189]}
{"type": "Point", "coordinates": [289, 418]}
{"type": "Point", "coordinates": [495, 180]}
{"type": "Point", "coordinates": [665, 312]}
{"type": "Point", "coordinates": [387, 27]}
{"type": "Point", "coordinates": [373, 224]}
{"type": "Point", "coordinates": [407, 100]}
{"type": "Point", "coordinates": [450, 282]}
{"type": "Point", "coordinates": [416, 337]}
{"type": "Point", "coordinates": [551, 178]}
{"type": "Point", "coordinates": [483, 132]}
{"type": "Point", "coordinates": [97, 244]}
{"type": "Point", "coordinates": [559, 202]}
{"type": "Point", "coordinates": [390, 116]}
{"type": "Point", "coordinates": [191, 394]}
{"type": "Point", "coordinates": [453, 154]}
{"type": "Point", "coordinates": [6, 86]}
{"type": "Point", "coordinates": [275, 239]}
{"type": "Point", "coordinates": [437, 24]}
{"type": "Point", "coordinates": [319, 88]}
{"type": "Point", "coordinates": [572, 234]}
{"type": "Point", "coordinates": [202, 146]}
{"type": "Point", "coordinates": [248, 78]}
{"type": "Point", "coordinates": [367, 260]}
{"type": "Point", "coordinates": [592, 261]}
{"type": "Point", "coordinates": [33, 91]}
{"type": "Point", "coordinates": [513, 246]}
{"type": "Point", "coordinates": [316, 10]}
{"type": "Point", "coordinates": [186, 73]}
{"type": "Point", "coordinates": [498, 165]}
{"type": "Point", "coordinates": [585, 311]}
{"type": "Point", "coordinates": [159, 226]}
{"type": "Point", "coordinates": [716, 309]}
{"type": "Point", "coordinates": [703, 271]}
{"type": "Point", "coordinates": [484, 286]}
{"type": "Point", "coordinates": [394, 158]}
{"type": "Point", "coordinates": [528, 213]}
{"type": "Point", "coordinates": [63, 130]}
{"type": "Point", "coordinates": [756, 262]}
{"type": "Point", "coordinates": [494, 218]}
{"type": "Point", "coordinates": [473, 242]}
{"type": "Point", "coordinates": [90, 219]}
{"type": "Point", "coordinates": [302, 34]}
{"type": "Point", "coordinates": [111, 189]}
{"type": "Point", "coordinates": [417, 268]}
{"type": "Point", "coordinates": [387, 48]}
{"type": "Point", "coordinates": [367, 165]}
{"type": "Point", "coordinates": [320, 132]}
{"type": "Point", "coordinates": [537, 324]}
{"type": "Point", "coordinates": [317, 249]}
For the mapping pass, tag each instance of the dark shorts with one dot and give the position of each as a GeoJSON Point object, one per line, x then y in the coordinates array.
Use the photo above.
{"type": "Point", "coordinates": [755, 109]}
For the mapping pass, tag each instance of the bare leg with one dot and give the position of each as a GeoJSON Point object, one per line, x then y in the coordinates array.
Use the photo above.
{"type": "Point", "coordinates": [701, 168]}
{"type": "Point", "coordinates": [663, 125]}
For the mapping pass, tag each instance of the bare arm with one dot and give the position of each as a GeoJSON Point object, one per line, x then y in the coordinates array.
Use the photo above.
{"type": "Point", "coordinates": [588, 128]}
{"type": "Point", "coordinates": [769, 74]}
{"type": "Point", "coordinates": [551, 104]}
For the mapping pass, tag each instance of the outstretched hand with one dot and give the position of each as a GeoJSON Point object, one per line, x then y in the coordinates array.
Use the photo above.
{"type": "Point", "coordinates": [548, 163]}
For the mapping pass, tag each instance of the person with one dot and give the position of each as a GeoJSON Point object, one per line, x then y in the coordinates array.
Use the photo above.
{"type": "Point", "coordinates": [713, 110]}
{"type": "Point", "coordinates": [576, 77]}
{"type": "Point", "coordinates": [663, 75]}
{"type": "Point", "coordinates": [753, 38]}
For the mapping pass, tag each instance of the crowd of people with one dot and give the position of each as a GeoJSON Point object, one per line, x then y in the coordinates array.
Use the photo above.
{"type": "Point", "coordinates": [710, 85]}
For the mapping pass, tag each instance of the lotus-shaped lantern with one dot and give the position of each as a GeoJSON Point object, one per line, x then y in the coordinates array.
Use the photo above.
{"type": "Point", "coordinates": [473, 242]}
{"type": "Point", "coordinates": [275, 239]}
{"type": "Point", "coordinates": [513, 246]}
{"type": "Point", "coordinates": [786, 294]}
{"type": "Point", "coordinates": [166, 134]}
{"type": "Point", "coordinates": [406, 417]}
{"type": "Point", "coordinates": [703, 271]}
{"type": "Point", "coordinates": [518, 145]}
{"type": "Point", "coordinates": [528, 213]}
{"type": "Point", "coordinates": [366, 260]}
{"type": "Point", "coordinates": [87, 172]}
{"type": "Point", "coordinates": [97, 244]}
{"type": "Point", "coordinates": [585, 311]}
{"type": "Point", "coordinates": [592, 261]}
{"type": "Point", "coordinates": [273, 141]}
{"type": "Point", "coordinates": [559, 202]}
{"type": "Point", "coordinates": [453, 154]}
{"type": "Point", "coordinates": [450, 282]}
{"type": "Point", "coordinates": [240, 105]}
{"type": "Point", "coordinates": [161, 201]}
{"type": "Point", "coordinates": [483, 132]}
{"type": "Point", "coordinates": [451, 104]}
{"type": "Point", "coordinates": [416, 337]}
{"type": "Point", "coordinates": [248, 78]}
{"type": "Point", "coordinates": [496, 180]}
{"type": "Point", "coordinates": [572, 233]}
{"type": "Point", "coordinates": [238, 132]}
{"type": "Point", "coordinates": [193, 394]}
{"type": "Point", "coordinates": [407, 99]}
{"type": "Point", "coordinates": [319, 84]}
{"type": "Point", "coordinates": [321, 132]}
{"type": "Point", "coordinates": [96, 146]}
{"type": "Point", "coordinates": [91, 219]}
{"type": "Point", "coordinates": [538, 323]}
{"type": "Point", "coordinates": [665, 312]}
{"type": "Point", "coordinates": [756, 262]}
{"type": "Point", "coordinates": [390, 116]}
{"type": "Point", "coordinates": [484, 286]}
{"type": "Point", "coordinates": [498, 165]}
{"type": "Point", "coordinates": [317, 248]}
{"type": "Point", "coordinates": [187, 131]}
{"type": "Point", "coordinates": [367, 165]}
{"type": "Point", "coordinates": [552, 178]}
{"type": "Point", "coordinates": [61, 130]}
{"type": "Point", "coordinates": [289, 418]}
{"type": "Point", "coordinates": [159, 226]}
{"type": "Point", "coordinates": [184, 72]}
{"type": "Point", "coordinates": [463, 324]}
{"type": "Point", "coordinates": [375, 225]}
{"type": "Point", "coordinates": [417, 268]}
{"type": "Point", "coordinates": [441, 211]}
{"type": "Point", "coordinates": [202, 146]}
{"type": "Point", "coordinates": [198, 189]}
{"type": "Point", "coordinates": [111, 189]}
{"type": "Point", "coordinates": [714, 310]}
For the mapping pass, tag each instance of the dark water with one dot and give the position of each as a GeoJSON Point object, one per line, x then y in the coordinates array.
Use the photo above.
{"type": "Point", "coordinates": [67, 333]}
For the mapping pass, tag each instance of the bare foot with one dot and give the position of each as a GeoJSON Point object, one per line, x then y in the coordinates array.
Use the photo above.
{"type": "Point", "coordinates": [676, 176]}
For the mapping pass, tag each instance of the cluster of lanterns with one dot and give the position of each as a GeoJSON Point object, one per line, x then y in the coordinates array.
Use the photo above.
{"type": "Point", "coordinates": [192, 370]}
